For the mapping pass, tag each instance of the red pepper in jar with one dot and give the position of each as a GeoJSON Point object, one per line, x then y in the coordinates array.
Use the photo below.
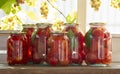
{"type": "Point", "coordinates": [29, 28]}
{"type": "Point", "coordinates": [16, 49]}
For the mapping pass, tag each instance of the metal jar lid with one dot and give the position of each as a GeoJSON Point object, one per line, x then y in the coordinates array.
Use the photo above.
{"type": "Point", "coordinates": [43, 25]}
{"type": "Point", "coordinates": [29, 25]}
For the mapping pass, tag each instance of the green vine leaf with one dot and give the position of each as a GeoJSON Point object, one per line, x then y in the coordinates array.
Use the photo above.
{"type": "Point", "coordinates": [6, 5]}
{"type": "Point", "coordinates": [71, 18]}
{"type": "Point", "coordinates": [72, 39]}
{"type": "Point", "coordinates": [88, 38]}
{"type": "Point", "coordinates": [33, 35]}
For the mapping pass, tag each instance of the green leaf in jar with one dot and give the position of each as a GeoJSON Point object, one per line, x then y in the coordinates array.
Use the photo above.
{"type": "Point", "coordinates": [88, 38]}
{"type": "Point", "coordinates": [33, 35]}
{"type": "Point", "coordinates": [72, 39]}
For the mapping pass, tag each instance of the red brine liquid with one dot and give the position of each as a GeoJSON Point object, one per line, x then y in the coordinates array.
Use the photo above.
{"type": "Point", "coordinates": [29, 29]}
{"type": "Point", "coordinates": [76, 42]}
{"type": "Point", "coordinates": [59, 53]}
{"type": "Point", "coordinates": [39, 43]}
{"type": "Point", "coordinates": [17, 49]}
{"type": "Point", "coordinates": [98, 45]}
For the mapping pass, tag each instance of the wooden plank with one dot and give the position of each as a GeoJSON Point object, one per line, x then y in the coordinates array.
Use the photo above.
{"type": "Point", "coordinates": [37, 69]}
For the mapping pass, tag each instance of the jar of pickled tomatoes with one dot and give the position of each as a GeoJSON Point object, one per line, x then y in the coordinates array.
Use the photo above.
{"type": "Point", "coordinates": [98, 45]}
{"type": "Point", "coordinates": [29, 28]}
{"type": "Point", "coordinates": [39, 42]}
{"type": "Point", "coordinates": [76, 43]}
{"type": "Point", "coordinates": [59, 53]}
{"type": "Point", "coordinates": [17, 49]}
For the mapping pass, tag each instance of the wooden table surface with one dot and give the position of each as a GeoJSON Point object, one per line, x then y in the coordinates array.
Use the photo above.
{"type": "Point", "coordinates": [37, 69]}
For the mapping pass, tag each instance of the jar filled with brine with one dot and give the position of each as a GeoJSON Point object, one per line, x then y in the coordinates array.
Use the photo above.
{"type": "Point", "coordinates": [76, 42]}
{"type": "Point", "coordinates": [59, 53]}
{"type": "Point", "coordinates": [17, 49]}
{"type": "Point", "coordinates": [29, 28]}
{"type": "Point", "coordinates": [98, 45]}
{"type": "Point", "coordinates": [39, 42]}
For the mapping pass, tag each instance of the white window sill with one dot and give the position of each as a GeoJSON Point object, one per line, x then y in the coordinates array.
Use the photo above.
{"type": "Point", "coordinates": [116, 35]}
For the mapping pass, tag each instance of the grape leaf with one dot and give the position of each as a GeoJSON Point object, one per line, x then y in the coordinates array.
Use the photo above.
{"type": "Point", "coordinates": [33, 36]}
{"type": "Point", "coordinates": [72, 39]}
{"type": "Point", "coordinates": [88, 38]}
{"type": "Point", "coordinates": [6, 5]}
{"type": "Point", "coordinates": [71, 18]}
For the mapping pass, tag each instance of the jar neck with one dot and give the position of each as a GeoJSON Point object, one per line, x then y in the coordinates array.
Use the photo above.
{"type": "Point", "coordinates": [58, 34]}
{"type": "Point", "coordinates": [43, 25]}
{"type": "Point", "coordinates": [97, 25]}
{"type": "Point", "coordinates": [29, 26]}
{"type": "Point", "coordinates": [17, 34]}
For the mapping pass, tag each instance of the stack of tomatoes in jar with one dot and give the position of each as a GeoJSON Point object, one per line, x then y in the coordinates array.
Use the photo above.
{"type": "Point", "coordinates": [42, 45]}
{"type": "Point", "coordinates": [39, 42]}
{"type": "Point", "coordinates": [98, 45]}
{"type": "Point", "coordinates": [76, 41]}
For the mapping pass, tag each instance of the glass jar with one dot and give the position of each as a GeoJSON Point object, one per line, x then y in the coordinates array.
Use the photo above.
{"type": "Point", "coordinates": [59, 53]}
{"type": "Point", "coordinates": [29, 28]}
{"type": "Point", "coordinates": [76, 42]}
{"type": "Point", "coordinates": [98, 45]}
{"type": "Point", "coordinates": [17, 49]}
{"type": "Point", "coordinates": [39, 42]}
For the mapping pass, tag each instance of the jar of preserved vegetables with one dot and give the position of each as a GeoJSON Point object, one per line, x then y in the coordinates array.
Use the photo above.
{"type": "Point", "coordinates": [17, 49]}
{"type": "Point", "coordinates": [76, 42]}
{"type": "Point", "coordinates": [59, 53]}
{"type": "Point", "coordinates": [29, 28]}
{"type": "Point", "coordinates": [39, 42]}
{"type": "Point", "coordinates": [98, 45]}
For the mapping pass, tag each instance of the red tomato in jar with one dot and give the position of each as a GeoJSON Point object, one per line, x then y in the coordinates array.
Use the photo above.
{"type": "Point", "coordinates": [91, 58]}
{"type": "Point", "coordinates": [98, 32]}
{"type": "Point", "coordinates": [64, 62]}
{"type": "Point", "coordinates": [53, 61]}
{"type": "Point", "coordinates": [77, 58]}
{"type": "Point", "coordinates": [108, 56]}
{"type": "Point", "coordinates": [94, 45]}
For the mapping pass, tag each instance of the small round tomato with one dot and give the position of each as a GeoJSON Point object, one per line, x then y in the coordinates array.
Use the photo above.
{"type": "Point", "coordinates": [98, 33]}
{"type": "Point", "coordinates": [108, 58]}
{"type": "Point", "coordinates": [64, 62]}
{"type": "Point", "coordinates": [91, 58]}
{"type": "Point", "coordinates": [106, 35]}
{"type": "Point", "coordinates": [108, 43]}
{"type": "Point", "coordinates": [53, 61]}
{"type": "Point", "coordinates": [77, 58]}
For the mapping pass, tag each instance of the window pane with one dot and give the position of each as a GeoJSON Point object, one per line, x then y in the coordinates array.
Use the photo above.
{"type": "Point", "coordinates": [33, 15]}
{"type": "Point", "coordinates": [107, 14]}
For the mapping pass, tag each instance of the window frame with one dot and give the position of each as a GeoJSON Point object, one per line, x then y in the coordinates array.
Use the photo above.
{"type": "Point", "coordinates": [81, 18]}
{"type": "Point", "coordinates": [82, 8]}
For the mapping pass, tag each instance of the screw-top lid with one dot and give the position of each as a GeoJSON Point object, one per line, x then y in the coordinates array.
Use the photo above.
{"type": "Point", "coordinates": [43, 25]}
{"type": "Point", "coordinates": [70, 24]}
{"type": "Point", "coordinates": [29, 25]}
{"type": "Point", "coordinates": [97, 24]}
